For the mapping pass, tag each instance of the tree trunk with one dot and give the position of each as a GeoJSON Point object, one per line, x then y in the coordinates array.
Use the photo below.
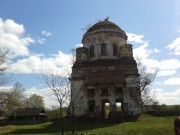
{"type": "Point", "coordinates": [62, 122]}
{"type": "Point", "coordinates": [73, 122]}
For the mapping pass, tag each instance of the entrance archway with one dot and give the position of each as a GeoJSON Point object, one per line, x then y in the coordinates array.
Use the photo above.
{"type": "Point", "coordinates": [119, 108]}
{"type": "Point", "coordinates": [105, 108]}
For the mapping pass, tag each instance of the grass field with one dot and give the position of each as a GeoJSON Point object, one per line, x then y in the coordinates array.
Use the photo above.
{"type": "Point", "coordinates": [146, 125]}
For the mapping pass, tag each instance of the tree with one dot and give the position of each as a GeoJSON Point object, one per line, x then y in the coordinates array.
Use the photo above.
{"type": "Point", "coordinates": [3, 67]}
{"type": "Point", "coordinates": [35, 101]}
{"type": "Point", "coordinates": [76, 100]}
{"type": "Point", "coordinates": [59, 84]}
{"type": "Point", "coordinates": [3, 99]}
{"type": "Point", "coordinates": [53, 112]}
{"type": "Point", "coordinates": [4, 79]}
{"type": "Point", "coordinates": [146, 79]}
{"type": "Point", "coordinates": [15, 97]}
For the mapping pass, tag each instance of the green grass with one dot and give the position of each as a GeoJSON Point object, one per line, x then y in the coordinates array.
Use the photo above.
{"type": "Point", "coordinates": [146, 125]}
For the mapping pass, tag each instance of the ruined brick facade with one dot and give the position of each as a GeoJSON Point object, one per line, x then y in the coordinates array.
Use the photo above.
{"type": "Point", "coordinates": [105, 72]}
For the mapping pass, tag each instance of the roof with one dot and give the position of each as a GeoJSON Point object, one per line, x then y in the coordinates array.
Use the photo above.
{"type": "Point", "coordinates": [29, 111]}
{"type": "Point", "coordinates": [103, 26]}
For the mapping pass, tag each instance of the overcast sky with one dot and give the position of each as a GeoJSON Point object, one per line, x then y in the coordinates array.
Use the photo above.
{"type": "Point", "coordinates": [43, 32]}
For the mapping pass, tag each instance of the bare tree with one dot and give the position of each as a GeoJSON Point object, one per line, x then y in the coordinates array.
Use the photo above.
{"type": "Point", "coordinates": [146, 79]}
{"type": "Point", "coordinates": [4, 78]}
{"type": "Point", "coordinates": [3, 67]}
{"type": "Point", "coordinates": [59, 84]}
{"type": "Point", "coordinates": [76, 102]}
{"type": "Point", "coordinates": [75, 99]}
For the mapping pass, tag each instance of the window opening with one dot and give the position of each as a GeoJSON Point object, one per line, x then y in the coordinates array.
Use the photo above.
{"type": "Point", "coordinates": [104, 91]}
{"type": "Point", "coordinates": [103, 49]}
{"type": "Point", "coordinates": [118, 90]}
{"type": "Point", "coordinates": [91, 105]}
{"type": "Point", "coordinates": [91, 92]}
{"type": "Point", "coordinates": [118, 107]}
{"type": "Point", "coordinates": [91, 51]}
{"type": "Point", "coordinates": [114, 49]}
{"type": "Point", "coordinates": [105, 108]}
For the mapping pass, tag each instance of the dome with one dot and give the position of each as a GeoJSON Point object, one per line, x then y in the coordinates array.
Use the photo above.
{"type": "Point", "coordinates": [106, 26]}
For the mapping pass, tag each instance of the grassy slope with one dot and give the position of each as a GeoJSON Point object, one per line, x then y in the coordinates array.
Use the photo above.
{"type": "Point", "coordinates": [146, 125]}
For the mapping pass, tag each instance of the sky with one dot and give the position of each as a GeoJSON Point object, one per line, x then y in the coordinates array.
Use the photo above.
{"type": "Point", "coordinates": [38, 33]}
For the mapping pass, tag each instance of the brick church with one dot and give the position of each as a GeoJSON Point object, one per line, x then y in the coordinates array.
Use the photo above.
{"type": "Point", "coordinates": [105, 73]}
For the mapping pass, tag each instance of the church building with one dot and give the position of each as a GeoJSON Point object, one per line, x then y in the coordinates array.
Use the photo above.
{"type": "Point", "coordinates": [105, 74]}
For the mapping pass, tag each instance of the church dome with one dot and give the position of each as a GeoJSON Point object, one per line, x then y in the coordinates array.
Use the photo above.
{"type": "Point", "coordinates": [105, 26]}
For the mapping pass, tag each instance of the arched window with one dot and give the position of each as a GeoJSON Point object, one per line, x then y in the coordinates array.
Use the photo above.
{"type": "Point", "coordinates": [103, 49]}
{"type": "Point", "coordinates": [91, 51]}
{"type": "Point", "coordinates": [114, 49]}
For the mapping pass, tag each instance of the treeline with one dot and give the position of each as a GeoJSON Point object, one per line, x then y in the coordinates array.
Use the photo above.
{"type": "Point", "coordinates": [163, 110]}
{"type": "Point", "coordinates": [14, 98]}
{"type": "Point", "coordinates": [54, 113]}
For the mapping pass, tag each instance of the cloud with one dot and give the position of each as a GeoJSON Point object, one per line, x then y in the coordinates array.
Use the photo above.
{"type": "Point", "coordinates": [177, 28]}
{"type": "Point", "coordinates": [169, 64]}
{"type": "Point", "coordinates": [47, 95]}
{"type": "Point", "coordinates": [60, 63]}
{"type": "Point", "coordinates": [142, 50]}
{"type": "Point", "coordinates": [31, 64]}
{"type": "Point", "coordinates": [166, 72]}
{"type": "Point", "coordinates": [13, 38]}
{"type": "Point", "coordinates": [175, 46]}
{"type": "Point", "coordinates": [46, 34]}
{"type": "Point", "coordinates": [156, 50]}
{"type": "Point", "coordinates": [169, 98]}
{"type": "Point", "coordinates": [41, 40]}
{"type": "Point", "coordinates": [135, 38]}
{"type": "Point", "coordinates": [9, 26]}
{"type": "Point", "coordinates": [78, 45]}
{"type": "Point", "coordinates": [5, 88]}
{"type": "Point", "coordinates": [172, 81]}
{"type": "Point", "coordinates": [38, 63]}
{"type": "Point", "coordinates": [164, 67]}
